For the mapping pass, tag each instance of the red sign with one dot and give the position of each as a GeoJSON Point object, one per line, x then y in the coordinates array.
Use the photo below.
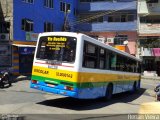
{"type": "Point", "coordinates": [156, 51]}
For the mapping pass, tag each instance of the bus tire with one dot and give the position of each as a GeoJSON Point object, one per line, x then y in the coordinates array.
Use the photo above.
{"type": "Point", "coordinates": [109, 92]}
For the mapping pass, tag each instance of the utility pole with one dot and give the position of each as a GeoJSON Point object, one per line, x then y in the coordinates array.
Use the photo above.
{"type": "Point", "coordinates": [66, 26]}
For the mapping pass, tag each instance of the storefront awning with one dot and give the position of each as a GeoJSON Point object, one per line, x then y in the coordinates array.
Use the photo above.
{"type": "Point", "coordinates": [25, 49]}
{"type": "Point", "coordinates": [19, 45]}
{"type": "Point", "coordinates": [142, 7]}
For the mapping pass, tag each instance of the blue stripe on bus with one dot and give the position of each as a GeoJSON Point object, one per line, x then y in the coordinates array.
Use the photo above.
{"type": "Point", "coordinates": [54, 90]}
{"type": "Point", "coordinates": [83, 93]}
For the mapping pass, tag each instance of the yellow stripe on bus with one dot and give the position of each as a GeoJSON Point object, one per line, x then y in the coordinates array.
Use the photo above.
{"type": "Point", "coordinates": [55, 73]}
{"type": "Point", "coordinates": [80, 76]}
{"type": "Point", "coordinates": [100, 77]}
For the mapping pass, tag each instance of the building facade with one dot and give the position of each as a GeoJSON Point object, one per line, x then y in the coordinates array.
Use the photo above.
{"type": "Point", "coordinates": [111, 21]}
{"type": "Point", "coordinates": [25, 19]}
{"type": "Point", "coordinates": [114, 22]}
{"type": "Point", "coordinates": [5, 42]}
{"type": "Point", "coordinates": [149, 35]}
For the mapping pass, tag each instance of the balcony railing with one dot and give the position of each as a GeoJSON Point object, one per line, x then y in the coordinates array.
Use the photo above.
{"type": "Point", "coordinates": [105, 26]}
{"type": "Point", "coordinates": [149, 28]}
{"type": "Point", "coordinates": [101, 6]}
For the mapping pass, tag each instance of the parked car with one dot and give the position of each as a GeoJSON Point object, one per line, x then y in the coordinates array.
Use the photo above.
{"type": "Point", "coordinates": [5, 78]}
{"type": "Point", "coordinates": [157, 90]}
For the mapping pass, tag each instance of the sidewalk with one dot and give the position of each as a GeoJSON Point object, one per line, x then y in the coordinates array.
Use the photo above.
{"type": "Point", "coordinates": [20, 78]}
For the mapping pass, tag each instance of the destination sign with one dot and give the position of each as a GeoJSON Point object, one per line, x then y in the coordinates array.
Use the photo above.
{"type": "Point", "coordinates": [56, 43]}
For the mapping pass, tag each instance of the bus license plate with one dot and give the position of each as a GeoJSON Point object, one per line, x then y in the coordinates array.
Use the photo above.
{"type": "Point", "coordinates": [53, 66]}
{"type": "Point", "coordinates": [50, 85]}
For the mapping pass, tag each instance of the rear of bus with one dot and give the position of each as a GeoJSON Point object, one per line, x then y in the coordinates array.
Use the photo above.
{"type": "Point", "coordinates": [54, 68]}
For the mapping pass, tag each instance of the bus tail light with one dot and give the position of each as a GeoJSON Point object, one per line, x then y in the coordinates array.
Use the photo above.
{"type": "Point", "coordinates": [34, 81]}
{"type": "Point", "coordinates": [68, 88]}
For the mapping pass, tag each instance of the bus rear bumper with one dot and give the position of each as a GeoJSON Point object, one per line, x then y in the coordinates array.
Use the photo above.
{"type": "Point", "coordinates": [54, 90]}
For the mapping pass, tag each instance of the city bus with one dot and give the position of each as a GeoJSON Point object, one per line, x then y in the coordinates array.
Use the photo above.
{"type": "Point", "coordinates": [78, 66]}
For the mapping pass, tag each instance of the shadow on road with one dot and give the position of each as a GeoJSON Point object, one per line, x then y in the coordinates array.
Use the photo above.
{"type": "Point", "coordinates": [83, 104]}
{"type": "Point", "coordinates": [6, 86]}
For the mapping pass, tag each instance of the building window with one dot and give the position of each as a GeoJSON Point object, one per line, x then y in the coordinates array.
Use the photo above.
{"type": "Point", "coordinates": [96, 0]}
{"type": "Point", "coordinates": [27, 25]}
{"type": "Point", "coordinates": [119, 39]}
{"type": "Point", "coordinates": [152, 1]}
{"type": "Point", "coordinates": [48, 27]}
{"type": "Point", "coordinates": [6, 57]}
{"type": "Point", "coordinates": [97, 20]}
{"type": "Point", "coordinates": [65, 7]}
{"type": "Point", "coordinates": [62, 6]}
{"type": "Point", "coordinates": [121, 18]}
{"type": "Point", "coordinates": [4, 27]}
{"type": "Point", "coordinates": [150, 19]}
{"type": "Point", "coordinates": [68, 7]}
{"type": "Point", "coordinates": [48, 3]}
{"type": "Point", "coordinates": [28, 1]}
{"type": "Point", "coordinates": [130, 18]}
{"type": "Point", "coordinates": [75, 11]}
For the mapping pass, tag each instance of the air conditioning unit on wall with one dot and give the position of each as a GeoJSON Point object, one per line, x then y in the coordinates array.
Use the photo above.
{"type": "Point", "coordinates": [110, 40]}
{"type": "Point", "coordinates": [106, 40]}
{"type": "Point", "coordinates": [101, 39]}
{"type": "Point", "coordinates": [4, 36]}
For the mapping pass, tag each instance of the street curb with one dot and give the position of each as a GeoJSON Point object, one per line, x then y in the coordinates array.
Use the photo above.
{"type": "Point", "coordinates": [20, 78]}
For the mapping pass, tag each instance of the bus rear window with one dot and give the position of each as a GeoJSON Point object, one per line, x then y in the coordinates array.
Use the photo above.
{"type": "Point", "coordinates": [59, 48]}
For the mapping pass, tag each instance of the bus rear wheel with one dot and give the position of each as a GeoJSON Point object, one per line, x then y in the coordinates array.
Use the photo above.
{"type": "Point", "coordinates": [109, 92]}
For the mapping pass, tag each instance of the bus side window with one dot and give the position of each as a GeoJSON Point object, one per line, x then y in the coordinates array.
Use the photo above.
{"type": "Point", "coordinates": [90, 57]}
{"type": "Point", "coordinates": [120, 63]}
{"type": "Point", "coordinates": [139, 67]}
{"type": "Point", "coordinates": [101, 58]}
{"type": "Point", "coordinates": [125, 68]}
{"type": "Point", "coordinates": [42, 50]}
{"type": "Point", "coordinates": [112, 61]}
{"type": "Point", "coordinates": [69, 51]}
{"type": "Point", "coordinates": [107, 60]}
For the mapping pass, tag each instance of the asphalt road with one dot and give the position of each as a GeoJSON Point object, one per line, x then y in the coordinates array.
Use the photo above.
{"type": "Point", "coordinates": [21, 101]}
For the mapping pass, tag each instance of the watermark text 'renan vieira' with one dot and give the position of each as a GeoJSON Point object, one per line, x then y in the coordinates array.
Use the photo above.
{"type": "Point", "coordinates": [11, 117]}
{"type": "Point", "coordinates": [144, 116]}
